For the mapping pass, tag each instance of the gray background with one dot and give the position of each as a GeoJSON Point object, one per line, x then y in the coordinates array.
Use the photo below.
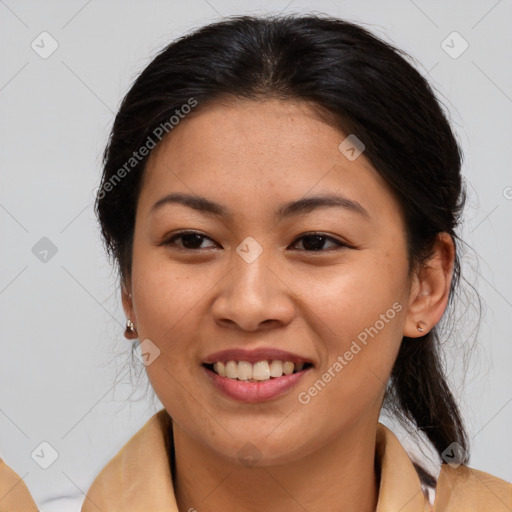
{"type": "Point", "coordinates": [64, 377]}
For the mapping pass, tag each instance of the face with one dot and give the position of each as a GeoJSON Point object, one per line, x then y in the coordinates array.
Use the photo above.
{"type": "Point", "coordinates": [326, 283]}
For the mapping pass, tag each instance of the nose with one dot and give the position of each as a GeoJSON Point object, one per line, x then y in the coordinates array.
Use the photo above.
{"type": "Point", "coordinates": [253, 295]}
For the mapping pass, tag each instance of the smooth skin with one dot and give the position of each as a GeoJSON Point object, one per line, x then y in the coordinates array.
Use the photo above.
{"type": "Point", "coordinates": [194, 297]}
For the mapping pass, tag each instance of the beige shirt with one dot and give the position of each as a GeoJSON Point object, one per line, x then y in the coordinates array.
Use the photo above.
{"type": "Point", "coordinates": [138, 479]}
{"type": "Point", "coordinates": [14, 494]}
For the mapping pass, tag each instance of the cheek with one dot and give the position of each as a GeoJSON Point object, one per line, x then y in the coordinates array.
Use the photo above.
{"type": "Point", "coordinates": [167, 298]}
{"type": "Point", "coordinates": [166, 294]}
{"type": "Point", "coordinates": [358, 314]}
{"type": "Point", "coordinates": [349, 297]}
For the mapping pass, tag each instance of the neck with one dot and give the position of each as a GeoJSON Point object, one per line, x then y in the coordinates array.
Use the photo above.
{"type": "Point", "coordinates": [340, 476]}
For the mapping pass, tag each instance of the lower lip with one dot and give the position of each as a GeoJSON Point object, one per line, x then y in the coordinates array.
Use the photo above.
{"type": "Point", "coordinates": [255, 391]}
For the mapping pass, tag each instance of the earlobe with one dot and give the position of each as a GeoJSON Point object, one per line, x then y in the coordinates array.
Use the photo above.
{"type": "Point", "coordinates": [430, 288]}
{"type": "Point", "coordinates": [421, 326]}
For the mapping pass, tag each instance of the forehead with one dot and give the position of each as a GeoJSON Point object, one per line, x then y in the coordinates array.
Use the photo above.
{"type": "Point", "coordinates": [247, 153]}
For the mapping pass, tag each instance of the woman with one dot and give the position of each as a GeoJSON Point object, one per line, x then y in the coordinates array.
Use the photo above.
{"type": "Point", "coordinates": [281, 196]}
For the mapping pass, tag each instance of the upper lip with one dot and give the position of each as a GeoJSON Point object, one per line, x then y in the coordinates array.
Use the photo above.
{"type": "Point", "coordinates": [255, 355]}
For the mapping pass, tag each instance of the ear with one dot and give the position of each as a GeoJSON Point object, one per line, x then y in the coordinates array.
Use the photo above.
{"type": "Point", "coordinates": [430, 288]}
{"type": "Point", "coordinates": [127, 300]}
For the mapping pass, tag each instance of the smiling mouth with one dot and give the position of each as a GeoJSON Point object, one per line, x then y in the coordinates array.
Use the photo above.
{"type": "Point", "coordinates": [260, 371]}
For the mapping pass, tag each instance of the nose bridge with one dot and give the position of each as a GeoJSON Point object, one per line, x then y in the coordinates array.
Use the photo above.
{"type": "Point", "coordinates": [250, 267]}
{"type": "Point", "coordinates": [251, 293]}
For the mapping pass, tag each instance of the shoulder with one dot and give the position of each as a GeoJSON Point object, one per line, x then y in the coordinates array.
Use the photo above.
{"type": "Point", "coordinates": [467, 489]}
{"type": "Point", "coordinates": [122, 484]}
{"type": "Point", "coordinates": [14, 494]}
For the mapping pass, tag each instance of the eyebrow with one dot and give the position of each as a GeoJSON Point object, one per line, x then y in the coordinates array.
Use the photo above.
{"type": "Point", "coordinates": [289, 209]}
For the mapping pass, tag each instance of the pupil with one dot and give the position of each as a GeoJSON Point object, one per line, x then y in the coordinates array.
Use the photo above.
{"type": "Point", "coordinates": [318, 242]}
{"type": "Point", "coordinates": [191, 237]}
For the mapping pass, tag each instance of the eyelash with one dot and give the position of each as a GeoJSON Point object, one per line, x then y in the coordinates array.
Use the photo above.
{"type": "Point", "coordinates": [170, 241]}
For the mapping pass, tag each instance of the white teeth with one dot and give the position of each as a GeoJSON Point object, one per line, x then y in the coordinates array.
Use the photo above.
{"type": "Point", "coordinates": [244, 370]}
{"type": "Point", "coordinates": [220, 368]}
{"type": "Point", "coordinates": [276, 369]}
{"type": "Point", "coordinates": [231, 370]}
{"type": "Point", "coordinates": [288, 368]}
{"type": "Point", "coordinates": [260, 371]}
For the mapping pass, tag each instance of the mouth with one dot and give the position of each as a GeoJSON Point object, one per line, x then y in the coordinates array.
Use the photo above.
{"type": "Point", "coordinates": [259, 371]}
{"type": "Point", "coordinates": [256, 375]}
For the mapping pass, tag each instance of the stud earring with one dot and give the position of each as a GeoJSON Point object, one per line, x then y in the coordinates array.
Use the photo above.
{"type": "Point", "coordinates": [130, 331]}
{"type": "Point", "coordinates": [419, 324]}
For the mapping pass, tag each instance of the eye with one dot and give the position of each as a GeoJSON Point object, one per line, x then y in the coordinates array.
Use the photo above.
{"type": "Point", "coordinates": [312, 242]}
{"type": "Point", "coordinates": [315, 241]}
{"type": "Point", "coordinates": [191, 240]}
